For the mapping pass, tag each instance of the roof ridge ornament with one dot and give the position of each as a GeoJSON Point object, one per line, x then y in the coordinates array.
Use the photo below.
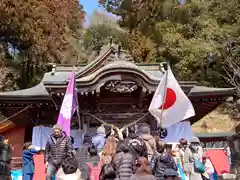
{"type": "Point", "coordinates": [53, 69]}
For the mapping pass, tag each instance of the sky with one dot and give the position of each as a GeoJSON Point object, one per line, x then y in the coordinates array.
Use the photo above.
{"type": "Point", "coordinates": [89, 5]}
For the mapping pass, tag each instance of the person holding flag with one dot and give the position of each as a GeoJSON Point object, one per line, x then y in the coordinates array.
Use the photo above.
{"type": "Point", "coordinates": [170, 104]}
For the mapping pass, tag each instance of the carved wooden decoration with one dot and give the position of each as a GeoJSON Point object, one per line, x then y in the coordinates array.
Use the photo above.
{"type": "Point", "coordinates": [121, 86]}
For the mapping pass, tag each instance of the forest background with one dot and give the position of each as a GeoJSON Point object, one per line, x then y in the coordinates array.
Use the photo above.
{"type": "Point", "coordinates": [200, 38]}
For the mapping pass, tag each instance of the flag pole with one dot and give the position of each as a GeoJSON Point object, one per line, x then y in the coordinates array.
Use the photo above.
{"type": "Point", "coordinates": [76, 95]}
{"type": "Point", "coordinates": [164, 97]}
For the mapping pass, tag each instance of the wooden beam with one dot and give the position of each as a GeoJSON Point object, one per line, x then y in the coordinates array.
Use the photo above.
{"type": "Point", "coordinates": [4, 126]}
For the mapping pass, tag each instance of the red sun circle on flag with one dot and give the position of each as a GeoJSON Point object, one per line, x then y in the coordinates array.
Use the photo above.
{"type": "Point", "coordinates": [170, 100]}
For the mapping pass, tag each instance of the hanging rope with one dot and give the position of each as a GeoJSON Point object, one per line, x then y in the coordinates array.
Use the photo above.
{"type": "Point", "coordinates": [120, 131]}
{"type": "Point", "coordinates": [19, 112]}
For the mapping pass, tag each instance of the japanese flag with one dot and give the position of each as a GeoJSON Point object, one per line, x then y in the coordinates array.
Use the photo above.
{"type": "Point", "coordinates": [177, 106]}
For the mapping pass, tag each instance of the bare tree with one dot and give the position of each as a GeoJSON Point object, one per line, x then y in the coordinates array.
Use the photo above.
{"type": "Point", "coordinates": [231, 54]}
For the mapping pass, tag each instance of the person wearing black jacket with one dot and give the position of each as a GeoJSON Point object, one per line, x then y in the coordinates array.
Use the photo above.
{"type": "Point", "coordinates": [132, 133]}
{"type": "Point", "coordinates": [137, 146]}
{"type": "Point", "coordinates": [162, 161]}
{"type": "Point", "coordinates": [93, 158]}
{"type": "Point", "coordinates": [58, 148]}
{"type": "Point", "coordinates": [5, 160]}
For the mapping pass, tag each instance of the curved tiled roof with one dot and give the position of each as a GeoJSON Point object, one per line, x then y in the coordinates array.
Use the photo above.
{"type": "Point", "coordinates": [201, 90]}
{"type": "Point", "coordinates": [92, 64]}
{"type": "Point", "coordinates": [38, 91]}
{"type": "Point", "coordinates": [121, 66]}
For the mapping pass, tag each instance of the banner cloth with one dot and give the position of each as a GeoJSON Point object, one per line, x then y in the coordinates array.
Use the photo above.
{"type": "Point", "coordinates": [41, 134]}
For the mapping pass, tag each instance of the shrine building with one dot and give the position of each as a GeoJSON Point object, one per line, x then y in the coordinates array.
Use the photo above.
{"type": "Point", "coordinates": [112, 87]}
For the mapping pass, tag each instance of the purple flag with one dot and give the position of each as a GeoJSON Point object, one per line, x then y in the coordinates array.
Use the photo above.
{"type": "Point", "coordinates": [69, 106]}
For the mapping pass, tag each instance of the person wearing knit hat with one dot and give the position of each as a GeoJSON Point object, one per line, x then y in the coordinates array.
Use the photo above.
{"type": "Point", "coordinates": [99, 140]}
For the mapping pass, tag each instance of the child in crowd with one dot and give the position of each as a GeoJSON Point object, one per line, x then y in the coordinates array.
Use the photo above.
{"type": "Point", "coordinates": [27, 161]}
{"type": "Point", "coordinates": [69, 170]}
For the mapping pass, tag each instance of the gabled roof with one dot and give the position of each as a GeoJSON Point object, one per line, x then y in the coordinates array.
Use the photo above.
{"type": "Point", "coordinates": [36, 92]}
{"type": "Point", "coordinates": [102, 67]}
{"type": "Point", "coordinates": [204, 91]}
{"type": "Point", "coordinates": [214, 135]}
{"type": "Point", "coordinates": [95, 64]}
{"type": "Point", "coordinates": [122, 65]}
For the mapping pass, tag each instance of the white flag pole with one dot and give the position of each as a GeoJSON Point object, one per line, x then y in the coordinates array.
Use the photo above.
{"type": "Point", "coordinates": [164, 97]}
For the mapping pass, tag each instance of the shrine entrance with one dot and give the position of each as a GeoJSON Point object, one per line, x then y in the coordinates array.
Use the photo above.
{"type": "Point", "coordinates": [119, 102]}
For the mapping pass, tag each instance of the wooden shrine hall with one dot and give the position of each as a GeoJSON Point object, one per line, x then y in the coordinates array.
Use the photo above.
{"type": "Point", "coordinates": [111, 88]}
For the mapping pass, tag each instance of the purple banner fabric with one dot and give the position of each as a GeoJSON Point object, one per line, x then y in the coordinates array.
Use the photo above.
{"type": "Point", "coordinates": [69, 106]}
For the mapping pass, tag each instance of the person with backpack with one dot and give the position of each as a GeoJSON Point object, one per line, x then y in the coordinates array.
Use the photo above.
{"type": "Point", "coordinates": [91, 168]}
{"type": "Point", "coordinates": [135, 144]}
{"type": "Point", "coordinates": [123, 162]}
{"type": "Point", "coordinates": [193, 160]}
{"type": "Point", "coordinates": [132, 133]}
{"type": "Point", "coordinates": [150, 143]}
{"type": "Point", "coordinates": [159, 146]}
{"type": "Point", "coordinates": [137, 147]}
{"type": "Point", "coordinates": [162, 161]}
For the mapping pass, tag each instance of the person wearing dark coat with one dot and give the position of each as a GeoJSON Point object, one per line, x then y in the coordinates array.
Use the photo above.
{"type": "Point", "coordinates": [132, 133]}
{"type": "Point", "coordinates": [136, 145]}
{"type": "Point", "coordinates": [162, 161]}
{"type": "Point", "coordinates": [27, 161]}
{"type": "Point", "coordinates": [107, 172]}
{"type": "Point", "coordinates": [93, 158]}
{"type": "Point", "coordinates": [58, 148]}
{"type": "Point", "coordinates": [143, 171]}
{"type": "Point", "coordinates": [123, 162]}
{"type": "Point", "coordinates": [5, 160]}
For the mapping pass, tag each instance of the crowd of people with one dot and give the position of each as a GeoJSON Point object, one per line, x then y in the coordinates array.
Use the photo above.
{"type": "Point", "coordinates": [139, 155]}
